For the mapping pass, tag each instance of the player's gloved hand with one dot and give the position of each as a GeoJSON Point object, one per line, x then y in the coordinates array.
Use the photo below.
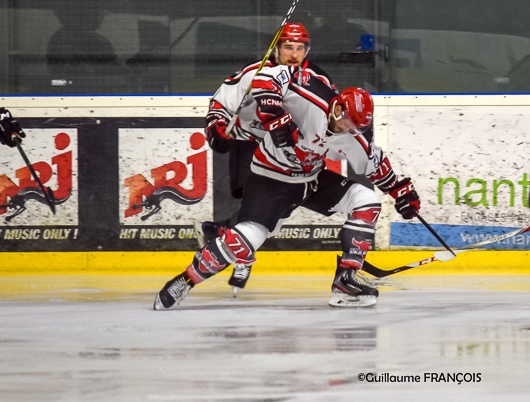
{"type": "Point", "coordinates": [283, 130]}
{"type": "Point", "coordinates": [10, 131]}
{"type": "Point", "coordinates": [216, 133]}
{"type": "Point", "coordinates": [407, 199]}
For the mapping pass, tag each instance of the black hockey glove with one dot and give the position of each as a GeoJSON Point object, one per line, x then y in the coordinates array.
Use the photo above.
{"type": "Point", "coordinates": [407, 199]}
{"type": "Point", "coordinates": [283, 130]}
{"type": "Point", "coordinates": [10, 130]}
{"type": "Point", "coordinates": [216, 133]}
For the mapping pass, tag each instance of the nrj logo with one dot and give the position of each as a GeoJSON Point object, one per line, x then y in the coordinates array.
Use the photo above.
{"type": "Point", "coordinates": [168, 182]}
{"type": "Point", "coordinates": [13, 196]}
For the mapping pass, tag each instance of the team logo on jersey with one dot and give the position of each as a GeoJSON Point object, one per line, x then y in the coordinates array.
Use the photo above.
{"type": "Point", "coordinates": [308, 160]}
{"type": "Point", "coordinates": [302, 77]}
{"type": "Point", "coordinates": [283, 77]}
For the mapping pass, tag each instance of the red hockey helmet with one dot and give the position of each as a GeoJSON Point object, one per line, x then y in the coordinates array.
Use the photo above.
{"type": "Point", "coordinates": [357, 110]}
{"type": "Point", "coordinates": [294, 32]}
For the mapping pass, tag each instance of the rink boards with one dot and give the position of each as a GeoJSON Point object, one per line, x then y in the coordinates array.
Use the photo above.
{"type": "Point", "coordinates": [268, 263]}
{"type": "Point", "coordinates": [106, 158]}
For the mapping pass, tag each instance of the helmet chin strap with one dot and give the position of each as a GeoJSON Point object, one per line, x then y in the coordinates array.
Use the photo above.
{"type": "Point", "coordinates": [331, 114]}
{"type": "Point", "coordinates": [332, 117]}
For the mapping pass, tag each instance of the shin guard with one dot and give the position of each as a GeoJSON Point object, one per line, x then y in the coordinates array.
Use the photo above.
{"type": "Point", "coordinates": [357, 236]}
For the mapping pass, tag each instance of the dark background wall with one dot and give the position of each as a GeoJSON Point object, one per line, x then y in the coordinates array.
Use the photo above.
{"type": "Point", "coordinates": [175, 46]}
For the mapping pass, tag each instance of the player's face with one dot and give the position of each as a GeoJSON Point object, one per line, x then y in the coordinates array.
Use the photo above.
{"type": "Point", "coordinates": [291, 53]}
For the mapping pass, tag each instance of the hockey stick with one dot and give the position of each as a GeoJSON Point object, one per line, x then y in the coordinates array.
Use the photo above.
{"type": "Point", "coordinates": [185, 32]}
{"type": "Point", "coordinates": [48, 194]}
{"type": "Point", "coordinates": [430, 229]}
{"type": "Point", "coordinates": [233, 120]}
{"type": "Point", "coordinates": [439, 255]}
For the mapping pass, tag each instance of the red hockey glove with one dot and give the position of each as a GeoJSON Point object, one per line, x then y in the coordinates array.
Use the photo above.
{"type": "Point", "coordinates": [10, 130]}
{"type": "Point", "coordinates": [407, 199]}
{"type": "Point", "coordinates": [283, 131]}
{"type": "Point", "coordinates": [216, 133]}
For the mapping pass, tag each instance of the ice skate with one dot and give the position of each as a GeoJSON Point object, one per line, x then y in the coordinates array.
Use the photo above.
{"type": "Point", "coordinates": [239, 277]}
{"type": "Point", "coordinates": [350, 290]}
{"type": "Point", "coordinates": [173, 292]}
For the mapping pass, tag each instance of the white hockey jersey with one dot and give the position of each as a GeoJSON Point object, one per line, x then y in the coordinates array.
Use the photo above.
{"type": "Point", "coordinates": [306, 94]}
{"type": "Point", "coordinates": [228, 97]}
{"type": "Point", "coordinates": [308, 99]}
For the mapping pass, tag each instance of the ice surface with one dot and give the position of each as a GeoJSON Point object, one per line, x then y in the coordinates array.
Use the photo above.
{"type": "Point", "coordinates": [66, 339]}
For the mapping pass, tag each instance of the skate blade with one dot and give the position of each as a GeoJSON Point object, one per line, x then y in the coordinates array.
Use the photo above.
{"type": "Point", "coordinates": [235, 289]}
{"type": "Point", "coordinates": [345, 300]}
{"type": "Point", "coordinates": [197, 226]}
{"type": "Point", "coordinates": [157, 305]}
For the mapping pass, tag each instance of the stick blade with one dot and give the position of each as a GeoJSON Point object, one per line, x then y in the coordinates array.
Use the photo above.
{"type": "Point", "coordinates": [444, 255]}
{"type": "Point", "coordinates": [448, 255]}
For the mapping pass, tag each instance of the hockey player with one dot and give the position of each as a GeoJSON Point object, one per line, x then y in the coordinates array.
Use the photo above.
{"type": "Point", "coordinates": [10, 131]}
{"type": "Point", "coordinates": [292, 49]}
{"type": "Point", "coordinates": [287, 171]}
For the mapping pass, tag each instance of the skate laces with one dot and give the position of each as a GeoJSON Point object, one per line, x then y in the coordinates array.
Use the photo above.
{"type": "Point", "coordinates": [241, 271]}
{"type": "Point", "coordinates": [354, 279]}
{"type": "Point", "coordinates": [177, 289]}
{"type": "Point", "coordinates": [373, 282]}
